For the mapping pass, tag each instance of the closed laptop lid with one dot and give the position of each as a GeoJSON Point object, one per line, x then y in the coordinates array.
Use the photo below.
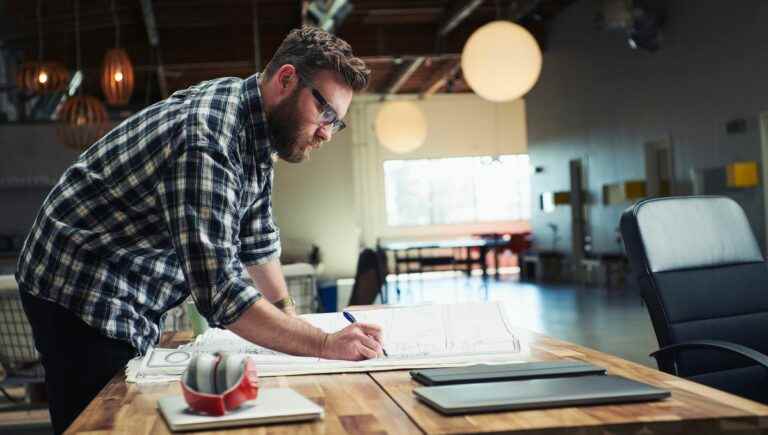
{"type": "Point", "coordinates": [536, 393]}
{"type": "Point", "coordinates": [502, 372]}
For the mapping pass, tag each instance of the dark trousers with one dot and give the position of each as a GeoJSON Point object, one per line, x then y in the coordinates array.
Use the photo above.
{"type": "Point", "coordinates": [78, 360]}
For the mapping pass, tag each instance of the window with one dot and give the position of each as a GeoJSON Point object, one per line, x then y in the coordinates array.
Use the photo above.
{"type": "Point", "coordinates": [457, 190]}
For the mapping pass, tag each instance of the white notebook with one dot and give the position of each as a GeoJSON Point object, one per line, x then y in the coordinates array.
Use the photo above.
{"type": "Point", "coordinates": [273, 405]}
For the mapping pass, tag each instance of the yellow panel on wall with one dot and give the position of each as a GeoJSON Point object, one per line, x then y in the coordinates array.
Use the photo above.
{"type": "Point", "coordinates": [742, 174]}
{"type": "Point", "coordinates": [562, 198]}
{"type": "Point", "coordinates": [618, 193]}
{"type": "Point", "coordinates": [634, 189]}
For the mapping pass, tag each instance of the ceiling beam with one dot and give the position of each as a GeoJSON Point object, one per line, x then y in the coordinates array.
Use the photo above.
{"type": "Point", "coordinates": [440, 78]}
{"type": "Point", "coordinates": [409, 58]}
{"type": "Point", "coordinates": [403, 75]}
{"type": "Point", "coordinates": [154, 40]}
{"type": "Point", "coordinates": [458, 16]}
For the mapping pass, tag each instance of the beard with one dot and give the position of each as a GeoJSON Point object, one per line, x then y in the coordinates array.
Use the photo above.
{"type": "Point", "coordinates": [283, 128]}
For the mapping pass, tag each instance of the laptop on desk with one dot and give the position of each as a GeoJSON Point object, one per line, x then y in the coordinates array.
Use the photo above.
{"type": "Point", "coordinates": [537, 393]}
{"type": "Point", "coordinates": [505, 372]}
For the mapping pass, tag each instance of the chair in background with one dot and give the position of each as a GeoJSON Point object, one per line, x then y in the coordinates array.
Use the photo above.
{"type": "Point", "coordinates": [18, 355]}
{"type": "Point", "coordinates": [705, 283]}
{"type": "Point", "coordinates": [369, 278]}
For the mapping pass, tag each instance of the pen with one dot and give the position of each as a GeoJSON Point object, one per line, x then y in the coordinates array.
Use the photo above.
{"type": "Point", "coordinates": [351, 318]}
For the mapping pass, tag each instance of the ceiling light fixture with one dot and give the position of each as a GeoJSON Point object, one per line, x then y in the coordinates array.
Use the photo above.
{"type": "Point", "coordinates": [117, 70]}
{"type": "Point", "coordinates": [501, 61]}
{"type": "Point", "coordinates": [82, 118]}
{"type": "Point", "coordinates": [329, 14]}
{"type": "Point", "coordinates": [401, 126]}
{"type": "Point", "coordinates": [41, 77]}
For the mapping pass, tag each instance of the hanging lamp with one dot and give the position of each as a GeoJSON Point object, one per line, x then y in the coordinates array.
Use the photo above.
{"type": "Point", "coordinates": [117, 70]}
{"type": "Point", "coordinates": [501, 61]}
{"type": "Point", "coordinates": [39, 76]}
{"type": "Point", "coordinates": [401, 126]}
{"type": "Point", "coordinates": [82, 118]}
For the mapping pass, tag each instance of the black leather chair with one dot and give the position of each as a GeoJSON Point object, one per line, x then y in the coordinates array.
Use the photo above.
{"type": "Point", "coordinates": [369, 278]}
{"type": "Point", "coordinates": [705, 282]}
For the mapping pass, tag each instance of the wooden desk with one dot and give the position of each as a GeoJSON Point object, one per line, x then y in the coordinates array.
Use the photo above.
{"type": "Point", "coordinates": [382, 402]}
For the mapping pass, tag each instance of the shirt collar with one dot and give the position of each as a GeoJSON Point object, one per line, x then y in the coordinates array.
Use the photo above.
{"type": "Point", "coordinates": [257, 131]}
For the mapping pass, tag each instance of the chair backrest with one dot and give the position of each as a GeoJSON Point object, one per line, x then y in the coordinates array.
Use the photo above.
{"type": "Point", "coordinates": [701, 274]}
{"type": "Point", "coordinates": [369, 278]}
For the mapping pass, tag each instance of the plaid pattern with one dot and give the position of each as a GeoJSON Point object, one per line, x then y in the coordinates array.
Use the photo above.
{"type": "Point", "coordinates": [175, 200]}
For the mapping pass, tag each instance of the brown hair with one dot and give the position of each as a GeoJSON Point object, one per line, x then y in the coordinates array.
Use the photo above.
{"type": "Point", "coordinates": [310, 49]}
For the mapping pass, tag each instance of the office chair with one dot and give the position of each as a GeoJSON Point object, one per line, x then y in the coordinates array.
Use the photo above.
{"type": "Point", "coordinates": [705, 283]}
{"type": "Point", "coordinates": [369, 278]}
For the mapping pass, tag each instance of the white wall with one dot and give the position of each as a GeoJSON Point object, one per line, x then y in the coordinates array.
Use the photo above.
{"type": "Point", "coordinates": [336, 200]}
{"type": "Point", "coordinates": [314, 201]}
{"type": "Point", "coordinates": [600, 101]}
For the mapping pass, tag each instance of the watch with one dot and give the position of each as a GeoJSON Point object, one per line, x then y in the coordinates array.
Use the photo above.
{"type": "Point", "coordinates": [285, 302]}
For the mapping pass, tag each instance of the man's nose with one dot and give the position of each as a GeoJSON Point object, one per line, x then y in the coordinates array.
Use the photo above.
{"type": "Point", "coordinates": [325, 132]}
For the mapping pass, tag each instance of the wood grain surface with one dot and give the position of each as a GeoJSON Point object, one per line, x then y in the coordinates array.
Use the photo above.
{"type": "Point", "coordinates": [692, 408]}
{"type": "Point", "coordinates": [383, 403]}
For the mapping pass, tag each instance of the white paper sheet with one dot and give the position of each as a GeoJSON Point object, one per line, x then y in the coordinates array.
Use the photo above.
{"type": "Point", "coordinates": [414, 337]}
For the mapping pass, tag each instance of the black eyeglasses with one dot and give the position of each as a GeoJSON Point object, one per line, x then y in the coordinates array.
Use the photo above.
{"type": "Point", "coordinates": [327, 115]}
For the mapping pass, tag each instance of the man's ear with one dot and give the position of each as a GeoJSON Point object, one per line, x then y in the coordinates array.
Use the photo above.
{"type": "Point", "coordinates": [285, 74]}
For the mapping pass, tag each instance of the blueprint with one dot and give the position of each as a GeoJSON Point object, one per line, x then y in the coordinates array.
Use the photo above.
{"type": "Point", "coordinates": [414, 337]}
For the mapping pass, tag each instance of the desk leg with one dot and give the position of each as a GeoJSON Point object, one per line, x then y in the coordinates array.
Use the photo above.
{"type": "Point", "coordinates": [468, 260]}
{"type": "Point", "coordinates": [483, 262]}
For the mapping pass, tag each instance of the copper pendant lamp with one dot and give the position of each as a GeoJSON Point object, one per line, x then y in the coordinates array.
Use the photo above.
{"type": "Point", "coordinates": [41, 77]}
{"type": "Point", "coordinates": [82, 119]}
{"type": "Point", "coordinates": [117, 70]}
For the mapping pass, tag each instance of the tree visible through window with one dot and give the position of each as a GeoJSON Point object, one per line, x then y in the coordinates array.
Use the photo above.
{"type": "Point", "coordinates": [457, 190]}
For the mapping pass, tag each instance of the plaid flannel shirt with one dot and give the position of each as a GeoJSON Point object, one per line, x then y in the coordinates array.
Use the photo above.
{"type": "Point", "coordinates": [174, 200]}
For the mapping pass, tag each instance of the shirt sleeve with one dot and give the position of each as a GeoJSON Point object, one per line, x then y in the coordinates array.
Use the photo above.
{"type": "Point", "coordinates": [200, 194]}
{"type": "Point", "coordinates": [259, 236]}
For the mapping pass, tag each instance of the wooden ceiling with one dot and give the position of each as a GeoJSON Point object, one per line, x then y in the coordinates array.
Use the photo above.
{"type": "Point", "coordinates": [410, 45]}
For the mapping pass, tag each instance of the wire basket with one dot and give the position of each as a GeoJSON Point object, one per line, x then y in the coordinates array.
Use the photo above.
{"type": "Point", "coordinates": [17, 345]}
{"type": "Point", "coordinates": [302, 286]}
{"type": "Point", "coordinates": [176, 319]}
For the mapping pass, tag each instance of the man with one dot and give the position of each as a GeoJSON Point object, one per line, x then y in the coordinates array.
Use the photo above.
{"type": "Point", "coordinates": [176, 201]}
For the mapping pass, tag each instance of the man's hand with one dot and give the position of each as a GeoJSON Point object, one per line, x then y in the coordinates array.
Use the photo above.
{"type": "Point", "coordinates": [357, 341]}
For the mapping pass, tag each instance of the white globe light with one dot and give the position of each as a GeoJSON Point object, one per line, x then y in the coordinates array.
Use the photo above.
{"type": "Point", "coordinates": [501, 61]}
{"type": "Point", "coordinates": [401, 126]}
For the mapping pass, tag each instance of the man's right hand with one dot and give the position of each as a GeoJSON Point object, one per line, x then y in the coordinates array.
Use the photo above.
{"type": "Point", "coordinates": [356, 342]}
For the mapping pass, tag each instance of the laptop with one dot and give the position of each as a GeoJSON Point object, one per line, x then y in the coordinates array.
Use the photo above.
{"type": "Point", "coordinates": [273, 405]}
{"type": "Point", "coordinates": [537, 393]}
{"type": "Point", "coordinates": [505, 372]}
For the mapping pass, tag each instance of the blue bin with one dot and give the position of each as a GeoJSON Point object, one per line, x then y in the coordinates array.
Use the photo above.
{"type": "Point", "coordinates": [327, 291]}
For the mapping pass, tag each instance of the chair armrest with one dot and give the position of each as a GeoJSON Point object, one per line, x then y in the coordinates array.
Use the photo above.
{"type": "Point", "coordinates": [721, 345]}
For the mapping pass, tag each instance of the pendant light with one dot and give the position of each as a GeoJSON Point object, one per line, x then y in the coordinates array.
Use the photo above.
{"type": "Point", "coordinates": [501, 61]}
{"type": "Point", "coordinates": [41, 77]}
{"type": "Point", "coordinates": [82, 118]}
{"type": "Point", "coordinates": [401, 126]}
{"type": "Point", "coordinates": [117, 70]}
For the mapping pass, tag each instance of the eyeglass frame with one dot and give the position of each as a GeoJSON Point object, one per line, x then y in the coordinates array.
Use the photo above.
{"type": "Point", "coordinates": [336, 123]}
